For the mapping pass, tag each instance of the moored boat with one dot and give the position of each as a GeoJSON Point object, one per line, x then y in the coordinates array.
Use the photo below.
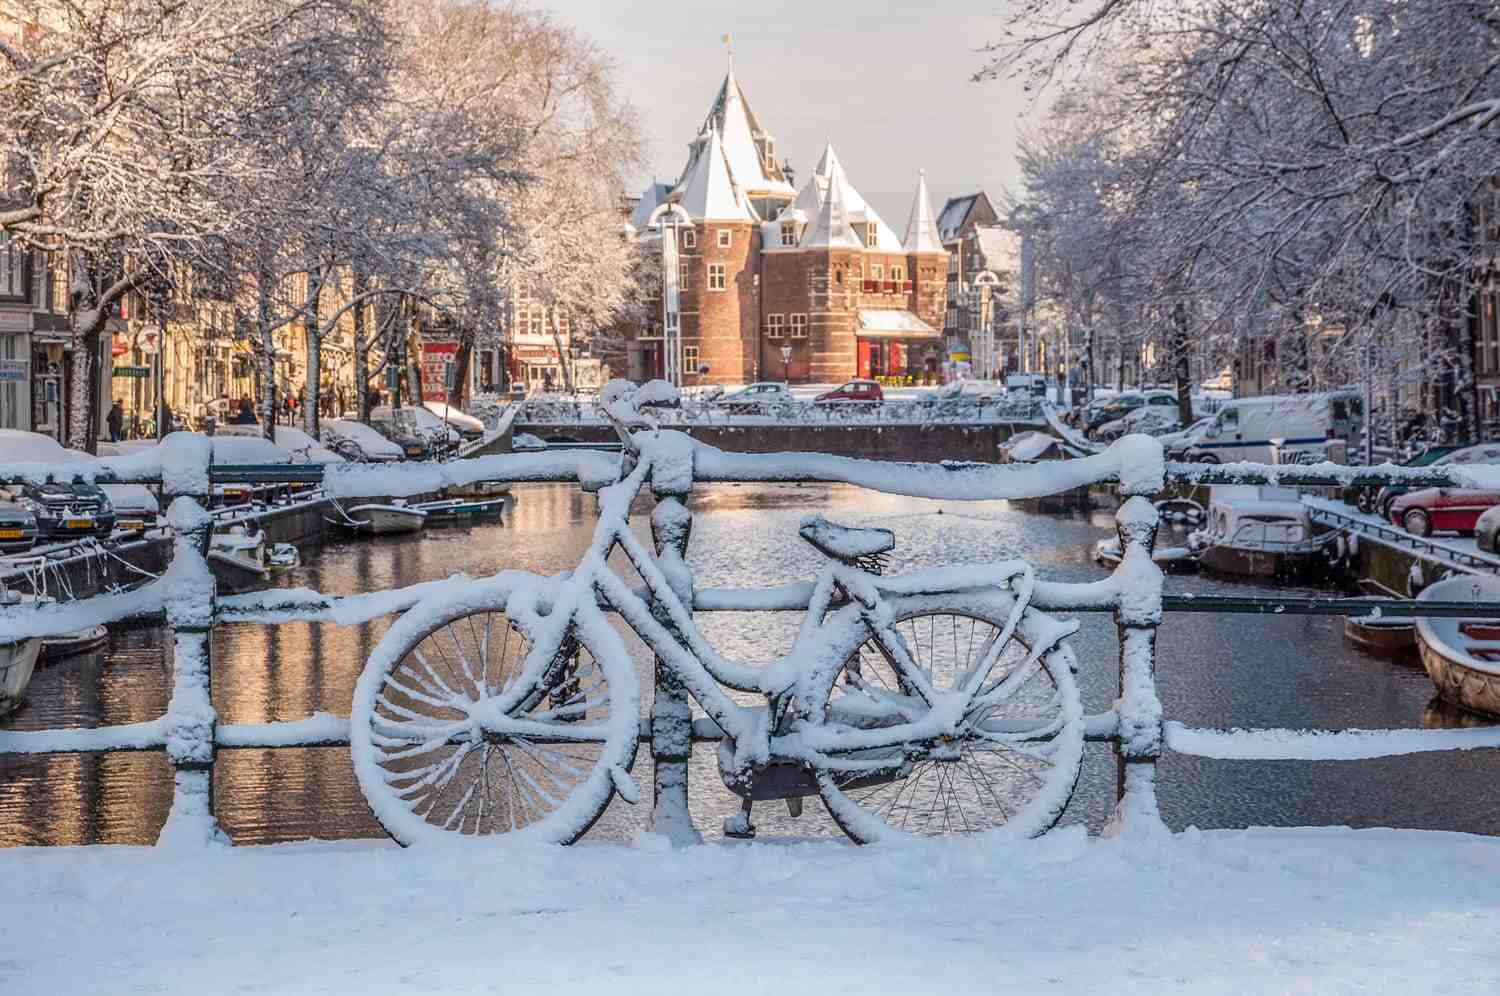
{"type": "Point", "coordinates": [283, 557]}
{"type": "Point", "coordinates": [454, 508]}
{"type": "Point", "coordinates": [79, 642]}
{"type": "Point", "coordinates": [396, 517]}
{"type": "Point", "coordinates": [1462, 656]}
{"type": "Point", "coordinates": [238, 558]}
{"type": "Point", "coordinates": [17, 661]}
{"type": "Point", "coordinates": [1383, 636]}
{"type": "Point", "coordinates": [1260, 538]}
{"type": "Point", "coordinates": [1172, 559]}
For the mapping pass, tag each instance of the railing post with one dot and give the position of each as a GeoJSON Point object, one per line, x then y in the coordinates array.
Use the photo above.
{"type": "Point", "coordinates": [190, 717]}
{"type": "Point", "coordinates": [671, 712]}
{"type": "Point", "coordinates": [1137, 616]}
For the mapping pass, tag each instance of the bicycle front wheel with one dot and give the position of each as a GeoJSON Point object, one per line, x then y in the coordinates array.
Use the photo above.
{"type": "Point", "coordinates": [432, 763]}
{"type": "Point", "coordinates": [1013, 765]}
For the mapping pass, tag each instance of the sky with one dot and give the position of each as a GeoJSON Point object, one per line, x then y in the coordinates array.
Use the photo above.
{"type": "Point", "coordinates": [887, 81]}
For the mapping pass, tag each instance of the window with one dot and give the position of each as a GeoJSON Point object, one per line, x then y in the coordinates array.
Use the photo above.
{"type": "Point", "coordinates": [689, 238]}
{"type": "Point", "coordinates": [877, 272]}
{"type": "Point", "coordinates": [774, 327]}
{"type": "Point", "coordinates": [789, 232]}
{"type": "Point", "coordinates": [684, 276]}
{"type": "Point", "coordinates": [799, 326]}
{"type": "Point", "coordinates": [715, 276]}
{"type": "Point", "coordinates": [689, 359]}
{"type": "Point", "coordinates": [726, 238]}
{"type": "Point", "coordinates": [13, 271]}
{"type": "Point", "coordinates": [872, 234]}
{"type": "Point", "coordinates": [898, 273]}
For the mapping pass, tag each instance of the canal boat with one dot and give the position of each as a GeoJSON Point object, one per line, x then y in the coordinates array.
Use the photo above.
{"type": "Point", "coordinates": [1260, 538]}
{"type": "Point", "coordinates": [1392, 637]}
{"type": "Point", "coordinates": [283, 557]}
{"type": "Point", "coordinates": [78, 642]}
{"type": "Point", "coordinates": [238, 558]}
{"type": "Point", "coordinates": [460, 508]}
{"type": "Point", "coordinates": [1462, 656]}
{"type": "Point", "coordinates": [1172, 559]}
{"type": "Point", "coordinates": [17, 661]}
{"type": "Point", "coordinates": [396, 517]}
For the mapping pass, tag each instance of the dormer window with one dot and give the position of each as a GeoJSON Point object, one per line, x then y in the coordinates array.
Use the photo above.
{"type": "Point", "coordinates": [770, 147]}
{"type": "Point", "coordinates": [789, 232]}
{"type": "Point", "coordinates": [725, 237]}
{"type": "Point", "coordinates": [872, 235]}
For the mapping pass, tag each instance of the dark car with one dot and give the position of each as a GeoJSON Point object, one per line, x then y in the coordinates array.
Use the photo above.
{"type": "Point", "coordinates": [18, 530]}
{"type": "Point", "coordinates": [67, 510]}
{"type": "Point", "coordinates": [1428, 510]}
{"type": "Point", "coordinates": [854, 390]}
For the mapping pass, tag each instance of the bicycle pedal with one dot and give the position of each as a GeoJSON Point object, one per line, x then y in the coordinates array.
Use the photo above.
{"type": "Point", "coordinates": [794, 806]}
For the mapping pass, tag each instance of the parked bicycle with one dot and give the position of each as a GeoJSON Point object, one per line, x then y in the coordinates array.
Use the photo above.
{"type": "Point", "coordinates": [930, 703]}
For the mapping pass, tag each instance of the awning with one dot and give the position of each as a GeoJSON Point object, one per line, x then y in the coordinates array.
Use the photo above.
{"type": "Point", "coordinates": [887, 323]}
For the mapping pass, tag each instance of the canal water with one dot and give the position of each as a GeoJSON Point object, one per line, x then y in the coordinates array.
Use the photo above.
{"type": "Point", "coordinates": [1287, 671]}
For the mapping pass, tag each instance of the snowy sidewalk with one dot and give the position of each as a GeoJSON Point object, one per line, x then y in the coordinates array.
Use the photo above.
{"type": "Point", "coordinates": [1308, 911]}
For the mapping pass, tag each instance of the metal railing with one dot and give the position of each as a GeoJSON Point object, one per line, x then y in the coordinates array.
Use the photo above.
{"type": "Point", "coordinates": [728, 410]}
{"type": "Point", "coordinates": [184, 598]}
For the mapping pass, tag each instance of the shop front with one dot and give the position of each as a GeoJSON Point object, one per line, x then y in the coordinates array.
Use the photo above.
{"type": "Point", "coordinates": [896, 344]}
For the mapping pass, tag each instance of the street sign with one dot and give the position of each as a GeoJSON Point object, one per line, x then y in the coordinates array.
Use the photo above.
{"type": "Point", "coordinates": [132, 371]}
{"type": "Point", "coordinates": [15, 371]}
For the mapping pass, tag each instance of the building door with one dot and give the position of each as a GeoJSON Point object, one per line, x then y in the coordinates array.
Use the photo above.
{"type": "Point", "coordinates": [864, 358]}
{"type": "Point", "coordinates": [653, 361]}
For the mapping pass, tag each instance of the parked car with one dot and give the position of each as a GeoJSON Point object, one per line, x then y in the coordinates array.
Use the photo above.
{"type": "Point", "coordinates": [755, 397]}
{"type": "Point", "coordinates": [854, 390]}
{"type": "Point", "coordinates": [1129, 401]}
{"type": "Point", "coordinates": [69, 509]}
{"type": "Point", "coordinates": [1487, 530]}
{"type": "Point", "coordinates": [1428, 510]}
{"type": "Point", "coordinates": [18, 527]}
{"type": "Point", "coordinates": [1437, 456]}
{"type": "Point", "coordinates": [1032, 384]}
{"type": "Point", "coordinates": [356, 441]}
{"type": "Point", "coordinates": [419, 433]}
{"type": "Point", "coordinates": [980, 391]}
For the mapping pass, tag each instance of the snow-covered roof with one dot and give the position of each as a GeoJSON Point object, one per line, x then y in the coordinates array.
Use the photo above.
{"type": "Point", "coordinates": [453, 416]}
{"type": "Point", "coordinates": [999, 247]}
{"type": "Point", "coordinates": [651, 199]}
{"type": "Point", "coordinates": [893, 322]}
{"type": "Point", "coordinates": [921, 231]}
{"type": "Point", "coordinates": [951, 218]}
{"type": "Point", "coordinates": [831, 230]}
{"type": "Point", "coordinates": [739, 129]}
{"type": "Point", "coordinates": [708, 193]}
{"type": "Point", "coordinates": [370, 441]}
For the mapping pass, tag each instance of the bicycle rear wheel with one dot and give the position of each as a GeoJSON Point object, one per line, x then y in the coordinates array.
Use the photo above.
{"type": "Point", "coordinates": [1013, 765]}
{"type": "Point", "coordinates": [429, 766]}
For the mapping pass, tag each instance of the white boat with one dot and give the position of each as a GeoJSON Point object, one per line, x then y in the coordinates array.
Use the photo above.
{"type": "Point", "coordinates": [17, 661]}
{"type": "Point", "coordinates": [238, 557]}
{"type": "Point", "coordinates": [1462, 656]}
{"type": "Point", "coordinates": [283, 557]}
{"type": "Point", "coordinates": [397, 517]}
{"type": "Point", "coordinates": [81, 641]}
{"type": "Point", "coordinates": [1259, 537]}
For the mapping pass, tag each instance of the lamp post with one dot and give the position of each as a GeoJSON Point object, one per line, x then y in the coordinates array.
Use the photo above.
{"type": "Point", "coordinates": [786, 362]}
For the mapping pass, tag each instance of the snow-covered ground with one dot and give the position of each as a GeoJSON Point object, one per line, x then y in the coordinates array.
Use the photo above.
{"type": "Point", "coordinates": [1285, 911]}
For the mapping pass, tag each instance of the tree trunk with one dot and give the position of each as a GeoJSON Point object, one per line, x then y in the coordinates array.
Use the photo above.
{"type": "Point", "coordinates": [1180, 360]}
{"type": "Point", "coordinates": [361, 352]}
{"type": "Point", "coordinates": [461, 360]}
{"type": "Point", "coordinates": [313, 334]}
{"type": "Point", "coordinates": [266, 346]}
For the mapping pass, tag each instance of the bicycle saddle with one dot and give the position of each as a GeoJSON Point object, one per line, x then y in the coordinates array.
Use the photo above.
{"type": "Point", "coordinates": [846, 543]}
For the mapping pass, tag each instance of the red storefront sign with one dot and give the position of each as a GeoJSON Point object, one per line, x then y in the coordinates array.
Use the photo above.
{"type": "Point", "coordinates": [438, 356]}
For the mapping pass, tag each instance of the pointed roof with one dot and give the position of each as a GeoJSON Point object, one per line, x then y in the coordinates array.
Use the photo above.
{"type": "Point", "coordinates": [741, 133]}
{"type": "Point", "coordinates": [921, 230]}
{"type": "Point", "coordinates": [708, 194]}
{"type": "Point", "coordinates": [832, 231]}
{"type": "Point", "coordinates": [651, 198]}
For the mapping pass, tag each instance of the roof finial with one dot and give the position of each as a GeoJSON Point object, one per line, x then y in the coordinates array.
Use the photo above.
{"type": "Point", "coordinates": [729, 49]}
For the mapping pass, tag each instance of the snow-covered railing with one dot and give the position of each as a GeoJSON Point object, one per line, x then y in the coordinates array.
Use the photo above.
{"type": "Point", "coordinates": [724, 411]}
{"type": "Point", "coordinates": [191, 735]}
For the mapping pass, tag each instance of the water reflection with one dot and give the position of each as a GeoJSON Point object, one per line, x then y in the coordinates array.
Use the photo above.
{"type": "Point", "coordinates": [1292, 671]}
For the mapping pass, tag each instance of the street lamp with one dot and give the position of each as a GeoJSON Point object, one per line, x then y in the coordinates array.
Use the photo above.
{"type": "Point", "coordinates": [786, 362]}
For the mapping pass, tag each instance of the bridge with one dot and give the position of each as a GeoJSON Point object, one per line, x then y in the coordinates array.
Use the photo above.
{"type": "Point", "coordinates": [960, 429]}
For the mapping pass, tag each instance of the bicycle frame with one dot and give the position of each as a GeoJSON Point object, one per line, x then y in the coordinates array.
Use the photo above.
{"type": "Point", "coordinates": [665, 625]}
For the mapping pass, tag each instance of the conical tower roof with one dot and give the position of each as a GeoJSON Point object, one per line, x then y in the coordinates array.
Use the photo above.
{"type": "Point", "coordinates": [832, 230]}
{"type": "Point", "coordinates": [707, 193]}
{"type": "Point", "coordinates": [739, 130]}
{"type": "Point", "coordinates": [921, 229]}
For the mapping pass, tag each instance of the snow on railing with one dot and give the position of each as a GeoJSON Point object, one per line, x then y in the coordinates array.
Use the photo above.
{"type": "Point", "coordinates": [750, 411]}
{"type": "Point", "coordinates": [191, 735]}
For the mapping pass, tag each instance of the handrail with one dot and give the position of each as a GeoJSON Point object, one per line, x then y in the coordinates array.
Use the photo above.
{"type": "Point", "coordinates": [191, 735]}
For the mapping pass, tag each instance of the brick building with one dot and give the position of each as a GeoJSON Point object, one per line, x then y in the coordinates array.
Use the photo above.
{"type": "Point", "coordinates": [806, 285]}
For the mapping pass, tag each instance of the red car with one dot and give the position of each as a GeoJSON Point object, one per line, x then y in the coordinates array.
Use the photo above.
{"type": "Point", "coordinates": [855, 390]}
{"type": "Point", "coordinates": [1429, 509]}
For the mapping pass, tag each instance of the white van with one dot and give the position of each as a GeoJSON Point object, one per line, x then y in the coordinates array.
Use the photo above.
{"type": "Point", "coordinates": [1032, 384]}
{"type": "Point", "coordinates": [1250, 428]}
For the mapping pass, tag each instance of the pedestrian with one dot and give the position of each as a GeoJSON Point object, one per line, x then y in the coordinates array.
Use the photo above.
{"type": "Point", "coordinates": [116, 422]}
{"type": "Point", "coordinates": [245, 415]}
{"type": "Point", "coordinates": [166, 418]}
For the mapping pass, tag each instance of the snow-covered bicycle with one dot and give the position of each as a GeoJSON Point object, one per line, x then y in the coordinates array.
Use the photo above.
{"type": "Point", "coordinates": [929, 703]}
